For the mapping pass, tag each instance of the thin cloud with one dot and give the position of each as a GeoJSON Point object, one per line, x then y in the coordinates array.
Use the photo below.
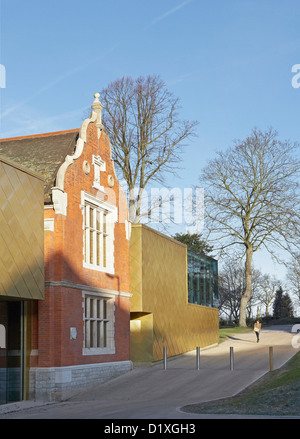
{"type": "Point", "coordinates": [32, 122]}
{"type": "Point", "coordinates": [182, 78]}
{"type": "Point", "coordinates": [40, 91]}
{"type": "Point", "coordinates": [170, 12]}
{"type": "Point", "coordinates": [59, 79]}
{"type": "Point", "coordinates": [70, 73]}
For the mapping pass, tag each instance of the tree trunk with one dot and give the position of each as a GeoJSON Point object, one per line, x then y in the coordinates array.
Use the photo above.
{"type": "Point", "coordinates": [135, 205]}
{"type": "Point", "coordinates": [138, 205]}
{"type": "Point", "coordinates": [132, 208]}
{"type": "Point", "coordinates": [248, 286]}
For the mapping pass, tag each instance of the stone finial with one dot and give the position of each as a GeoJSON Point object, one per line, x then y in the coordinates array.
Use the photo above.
{"type": "Point", "coordinates": [97, 107]}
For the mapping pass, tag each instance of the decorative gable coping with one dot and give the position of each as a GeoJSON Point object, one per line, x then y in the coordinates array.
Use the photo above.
{"type": "Point", "coordinates": [59, 197]}
{"type": "Point", "coordinates": [60, 201]}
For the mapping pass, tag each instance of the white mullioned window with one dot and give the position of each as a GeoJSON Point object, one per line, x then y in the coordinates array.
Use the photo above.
{"type": "Point", "coordinates": [98, 324]}
{"type": "Point", "coordinates": [99, 218]}
{"type": "Point", "coordinates": [95, 231]}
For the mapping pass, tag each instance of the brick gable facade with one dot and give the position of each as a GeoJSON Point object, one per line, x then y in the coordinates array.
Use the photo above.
{"type": "Point", "coordinates": [80, 331]}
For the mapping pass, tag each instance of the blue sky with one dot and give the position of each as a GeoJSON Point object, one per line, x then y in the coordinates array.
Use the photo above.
{"type": "Point", "coordinates": [229, 62]}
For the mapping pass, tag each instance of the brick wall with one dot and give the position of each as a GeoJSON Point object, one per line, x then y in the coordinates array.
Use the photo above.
{"type": "Point", "coordinates": [62, 308]}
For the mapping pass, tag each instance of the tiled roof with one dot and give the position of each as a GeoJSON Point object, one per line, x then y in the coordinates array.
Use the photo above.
{"type": "Point", "coordinates": [42, 153]}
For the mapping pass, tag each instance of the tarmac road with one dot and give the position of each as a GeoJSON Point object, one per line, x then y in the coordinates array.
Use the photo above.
{"type": "Point", "coordinates": [155, 393]}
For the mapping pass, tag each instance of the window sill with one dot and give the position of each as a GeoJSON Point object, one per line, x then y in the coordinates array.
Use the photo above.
{"type": "Point", "coordinates": [98, 351]}
{"type": "Point", "coordinates": [109, 270]}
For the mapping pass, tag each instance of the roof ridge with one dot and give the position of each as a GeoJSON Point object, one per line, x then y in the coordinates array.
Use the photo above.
{"type": "Point", "coordinates": [54, 133]}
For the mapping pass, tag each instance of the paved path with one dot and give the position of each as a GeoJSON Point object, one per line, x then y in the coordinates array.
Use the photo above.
{"type": "Point", "coordinates": [154, 393]}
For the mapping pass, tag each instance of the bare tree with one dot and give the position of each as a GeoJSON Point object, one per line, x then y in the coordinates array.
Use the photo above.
{"type": "Point", "coordinates": [231, 287]}
{"type": "Point", "coordinates": [231, 281]}
{"type": "Point", "coordinates": [254, 300]}
{"type": "Point", "coordinates": [145, 131]}
{"type": "Point", "coordinates": [252, 199]}
{"type": "Point", "coordinates": [267, 291]}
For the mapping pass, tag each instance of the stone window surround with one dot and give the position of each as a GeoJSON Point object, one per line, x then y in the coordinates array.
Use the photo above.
{"type": "Point", "coordinates": [110, 348]}
{"type": "Point", "coordinates": [112, 212]}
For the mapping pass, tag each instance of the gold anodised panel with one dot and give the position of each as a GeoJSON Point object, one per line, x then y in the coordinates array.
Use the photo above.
{"type": "Point", "coordinates": [21, 232]}
{"type": "Point", "coordinates": [159, 288]}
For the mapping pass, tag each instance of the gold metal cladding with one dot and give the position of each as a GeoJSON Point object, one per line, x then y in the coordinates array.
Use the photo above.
{"type": "Point", "coordinates": [160, 312]}
{"type": "Point", "coordinates": [21, 232]}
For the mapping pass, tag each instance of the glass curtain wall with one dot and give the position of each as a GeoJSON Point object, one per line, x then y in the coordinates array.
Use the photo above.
{"type": "Point", "coordinates": [202, 279]}
{"type": "Point", "coordinates": [11, 351]}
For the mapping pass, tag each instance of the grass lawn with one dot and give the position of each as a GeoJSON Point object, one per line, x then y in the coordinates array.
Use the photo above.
{"type": "Point", "coordinates": [276, 393]}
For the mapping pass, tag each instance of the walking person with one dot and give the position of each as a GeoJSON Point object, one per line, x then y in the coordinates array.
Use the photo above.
{"type": "Point", "coordinates": [257, 328]}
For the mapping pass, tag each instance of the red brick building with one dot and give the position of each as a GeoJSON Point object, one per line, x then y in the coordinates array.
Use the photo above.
{"type": "Point", "coordinates": [79, 333]}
